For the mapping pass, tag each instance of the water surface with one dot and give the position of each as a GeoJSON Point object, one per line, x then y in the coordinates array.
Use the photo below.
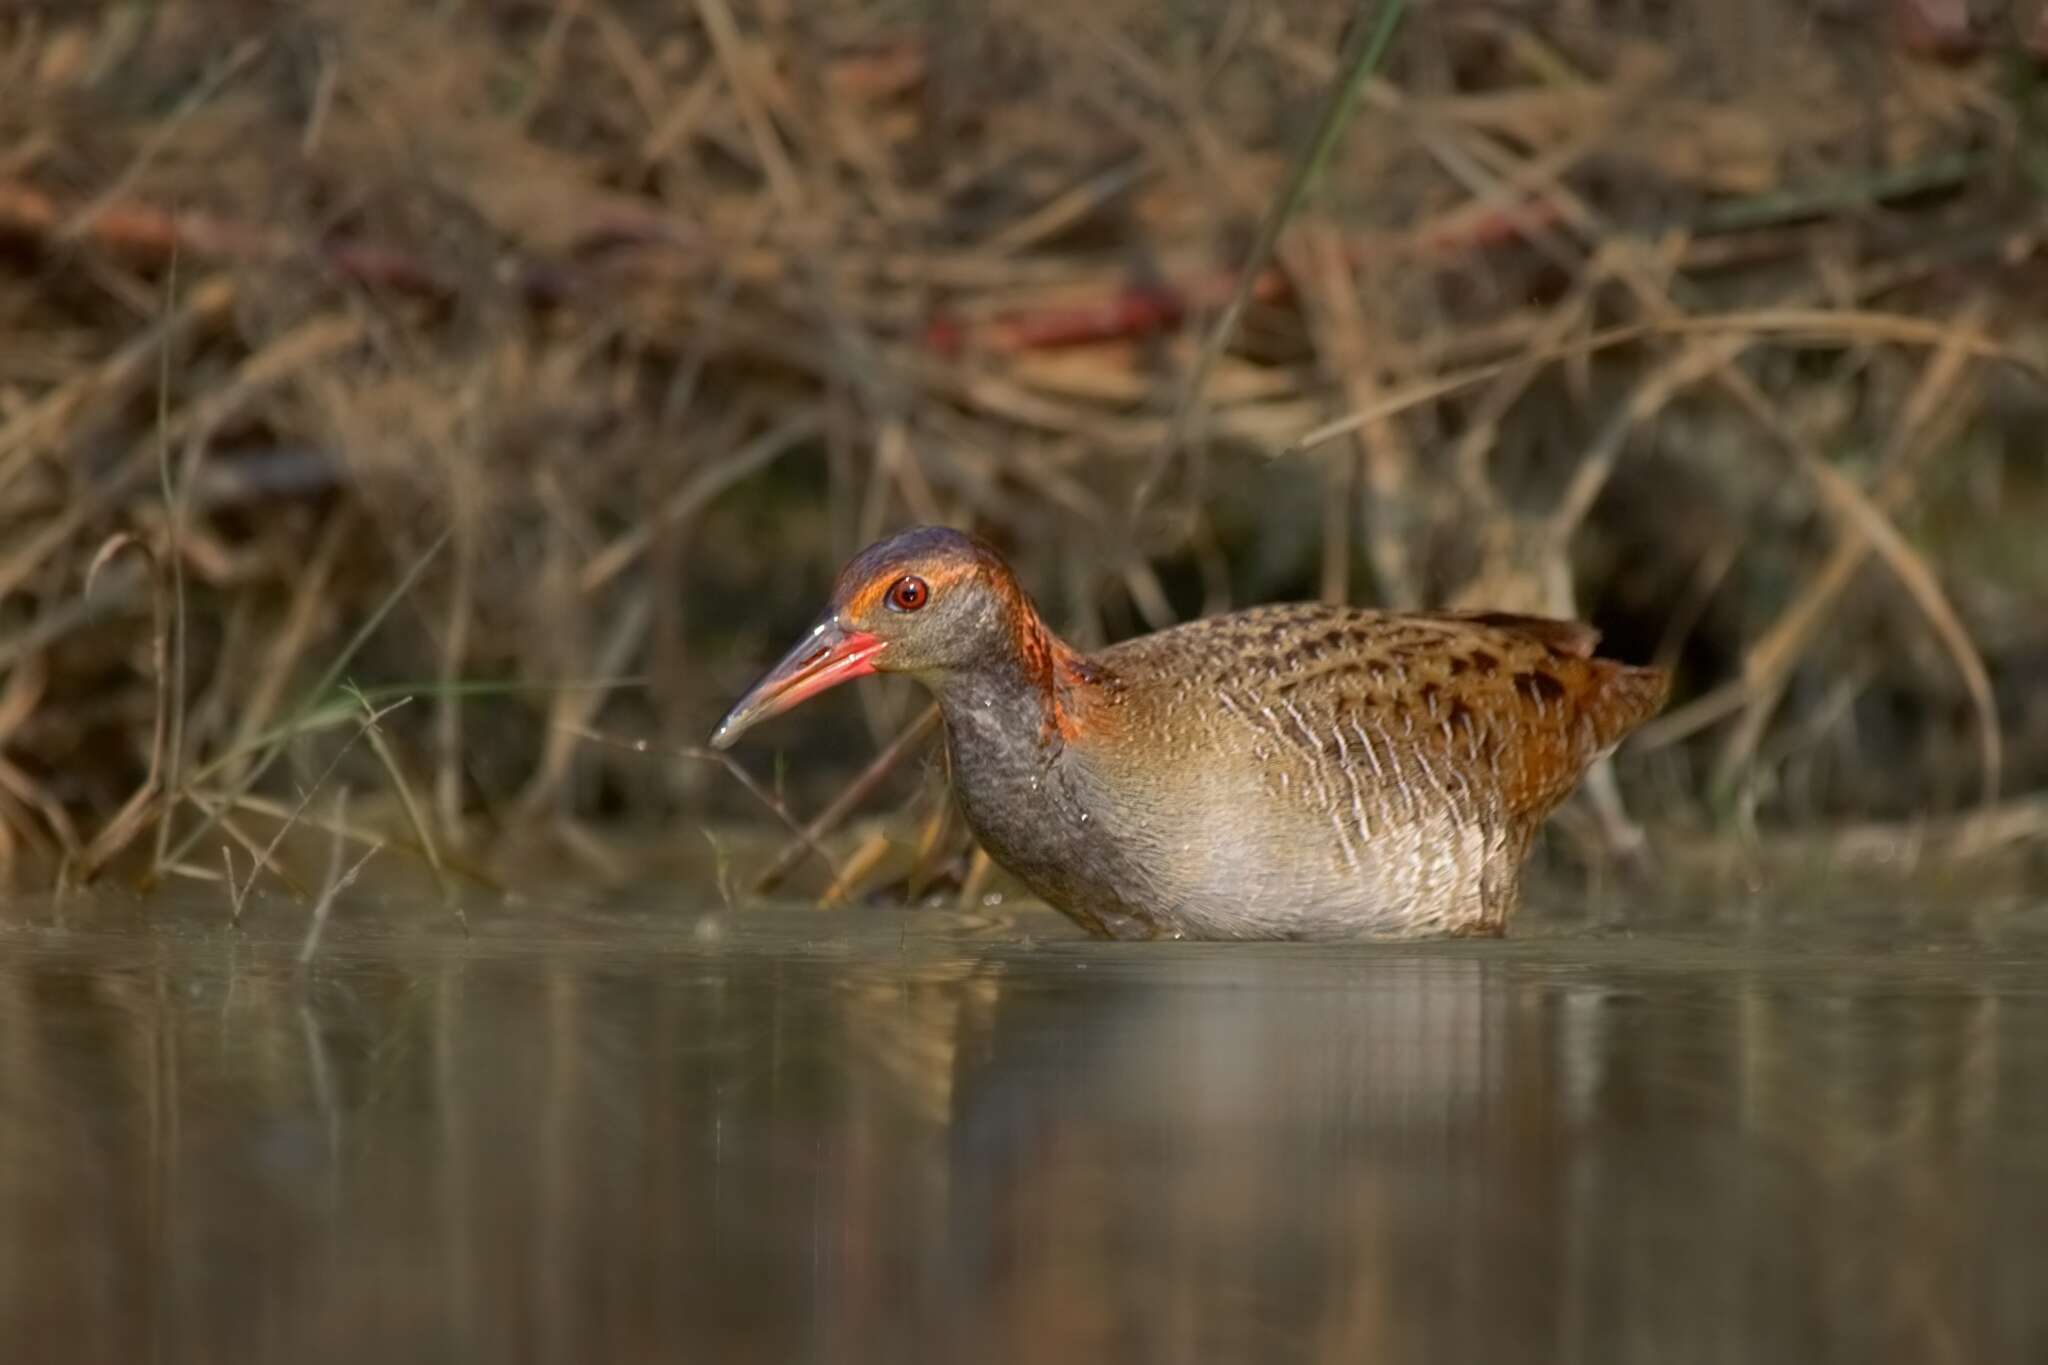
{"type": "Point", "coordinates": [642, 1131]}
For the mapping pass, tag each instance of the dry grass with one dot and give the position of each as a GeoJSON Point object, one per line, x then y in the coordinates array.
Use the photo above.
{"type": "Point", "coordinates": [1720, 325]}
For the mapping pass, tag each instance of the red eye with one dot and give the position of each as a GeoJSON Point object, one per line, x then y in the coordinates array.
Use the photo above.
{"type": "Point", "coordinates": [908, 593]}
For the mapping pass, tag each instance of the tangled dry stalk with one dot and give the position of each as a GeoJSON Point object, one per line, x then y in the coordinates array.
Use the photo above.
{"type": "Point", "coordinates": [1719, 325]}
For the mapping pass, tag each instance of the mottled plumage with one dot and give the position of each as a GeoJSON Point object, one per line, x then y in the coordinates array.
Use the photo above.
{"type": "Point", "coordinates": [1293, 771]}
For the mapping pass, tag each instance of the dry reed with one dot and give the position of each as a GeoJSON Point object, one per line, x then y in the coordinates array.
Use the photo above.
{"type": "Point", "coordinates": [1717, 325]}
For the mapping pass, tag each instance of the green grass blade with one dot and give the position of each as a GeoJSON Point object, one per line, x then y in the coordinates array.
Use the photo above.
{"type": "Point", "coordinates": [1361, 58]}
{"type": "Point", "coordinates": [314, 696]}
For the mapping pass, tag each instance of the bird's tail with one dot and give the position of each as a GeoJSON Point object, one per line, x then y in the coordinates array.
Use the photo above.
{"type": "Point", "coordinates": [1624, 697]}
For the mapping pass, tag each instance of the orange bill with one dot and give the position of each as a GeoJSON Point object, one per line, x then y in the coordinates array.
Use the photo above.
{"type": "Point", "coordinates": [827, 656]}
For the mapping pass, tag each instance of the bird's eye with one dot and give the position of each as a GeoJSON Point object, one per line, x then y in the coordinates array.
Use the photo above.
{"type": "Point", "coordinates": [909, 593]}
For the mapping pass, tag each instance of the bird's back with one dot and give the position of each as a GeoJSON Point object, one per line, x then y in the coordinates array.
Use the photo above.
{"type": "Point", "coordinates": [1323, 771]}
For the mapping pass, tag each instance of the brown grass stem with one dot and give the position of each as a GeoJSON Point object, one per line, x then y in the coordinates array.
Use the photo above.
{"type": "Point", "coordinates": [848, 800]}
{"type": "Point", "coordinates": [318, 691]}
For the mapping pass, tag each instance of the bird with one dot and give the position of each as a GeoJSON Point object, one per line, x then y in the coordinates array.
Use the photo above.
{"type": "Point", "coordinates": [1297, 771]}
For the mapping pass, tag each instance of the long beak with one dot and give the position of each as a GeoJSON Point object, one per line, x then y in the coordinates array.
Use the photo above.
{"type": "Point", "coordinates": [826, 657]}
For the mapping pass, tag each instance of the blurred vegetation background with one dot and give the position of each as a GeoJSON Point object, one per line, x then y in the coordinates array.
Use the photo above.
{"type": "Point", "coordinates": [530, 367]}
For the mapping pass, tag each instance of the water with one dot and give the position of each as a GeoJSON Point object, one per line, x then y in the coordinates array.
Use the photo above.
{"type": "Point", "coordinates": [643, 1132]}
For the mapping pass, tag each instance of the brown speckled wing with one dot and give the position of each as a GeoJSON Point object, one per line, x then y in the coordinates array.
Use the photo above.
{"type": "Point", "coordinates": [1491, 715]}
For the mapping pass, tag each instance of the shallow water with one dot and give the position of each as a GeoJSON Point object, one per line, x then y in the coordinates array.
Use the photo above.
{"type": "Point", "coordinates": [640, 1131]}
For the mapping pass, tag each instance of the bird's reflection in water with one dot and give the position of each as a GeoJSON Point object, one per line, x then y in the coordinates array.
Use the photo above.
{"type": "Point", "coordinates": [1220, 1162]}
{"type": "Point", "coordinates": [567, 1142]}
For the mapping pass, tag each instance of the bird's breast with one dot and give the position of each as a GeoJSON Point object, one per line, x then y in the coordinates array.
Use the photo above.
{"type": "Point", "coordinates": [1042, 807]}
